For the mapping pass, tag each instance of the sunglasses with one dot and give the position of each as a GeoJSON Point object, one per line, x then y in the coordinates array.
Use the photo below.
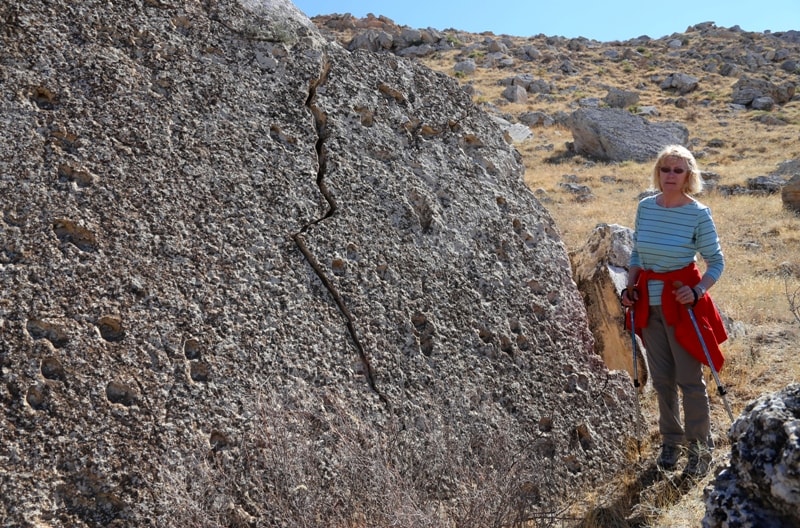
{"type": "Point", "coordinates": [676, 170]}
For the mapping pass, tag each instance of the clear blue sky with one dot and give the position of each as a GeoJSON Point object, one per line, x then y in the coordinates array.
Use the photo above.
{"type": "Point", "coordinates": [603, 20]}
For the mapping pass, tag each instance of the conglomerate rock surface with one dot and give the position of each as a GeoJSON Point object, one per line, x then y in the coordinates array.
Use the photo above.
{"type": "Point", "coordinates": [247, 274]}
{"type": "Point", "coordinates": [760, 486]}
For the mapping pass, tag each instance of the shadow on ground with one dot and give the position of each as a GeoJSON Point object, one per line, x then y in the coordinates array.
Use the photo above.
{"type": "Point", "coordinates": [638, 502]}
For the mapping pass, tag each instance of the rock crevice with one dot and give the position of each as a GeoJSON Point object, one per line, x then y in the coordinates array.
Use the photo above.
{"type": "Point", "coordinates": [320, 124]}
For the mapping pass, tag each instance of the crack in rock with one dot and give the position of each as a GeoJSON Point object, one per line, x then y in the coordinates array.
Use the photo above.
{"type": "Point", "coordinates": [320, 122]}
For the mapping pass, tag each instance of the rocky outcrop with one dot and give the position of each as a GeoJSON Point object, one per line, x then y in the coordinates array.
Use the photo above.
{"type": "Point", "coordinates": [703, 51]}
{"type": "Point", "coordinates": [381, 34]}
{"type": "Point", "coordinates": [251, 278]}
{"type": "Point", "coordinates": [613, 134]}
{"type": "Point", "coordinates": [731, 52]}
{"type": "Point", "coordinates": [761, 485]}
{"type": "Point", "coordinates": [748, 92]}
{"type": "Point", "coordinates": [601, 269]}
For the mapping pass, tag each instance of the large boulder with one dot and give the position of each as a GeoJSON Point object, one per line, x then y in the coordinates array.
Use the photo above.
{"type": "Point", "coordinates": [618, 98]}
{"type": "Point", "coordinates": [760, 487]}
{"type": "Point", "coordinates": [617, 135]}
{"type": "Point", "coordinates": [680, 83]}
{"type": "Point", "coordinates": [251, 278]}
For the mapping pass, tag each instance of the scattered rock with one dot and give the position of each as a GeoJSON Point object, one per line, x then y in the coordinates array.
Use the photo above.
{"type": "Point", "coordinates": [790, 194]}
{"type": "Point", "coordinates": [534, 119]}
{"type": "Point", "coordinates": [763, 103]}
{"type": "Point", "coordinates": [680, 83]}
{"type": "Point", "coordinates": [617, 98]}
{"type": "Point", "coordinates": [466, 66]}
{"type": "Point", "coordinates": [617, 135]}
{"type": "Point", "coordinates": [516, 94]}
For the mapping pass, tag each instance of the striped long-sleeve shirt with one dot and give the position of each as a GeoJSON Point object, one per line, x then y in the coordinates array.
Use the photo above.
{"type": "Point", "coordinates": [667, 239]}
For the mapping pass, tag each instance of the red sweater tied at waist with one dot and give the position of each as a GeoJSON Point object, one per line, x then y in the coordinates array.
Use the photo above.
{"type": "Point", "coordinates": [676, 315]}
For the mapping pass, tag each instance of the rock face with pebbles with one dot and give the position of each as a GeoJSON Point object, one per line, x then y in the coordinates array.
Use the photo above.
{"type": "Point", "coordinates": [246, 274]}
{"type": "Point", "coordinates": [760, 487]}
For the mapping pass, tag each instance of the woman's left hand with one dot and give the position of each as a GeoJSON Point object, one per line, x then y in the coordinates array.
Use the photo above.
{"type": "Point", "coordinates": [684, 295]}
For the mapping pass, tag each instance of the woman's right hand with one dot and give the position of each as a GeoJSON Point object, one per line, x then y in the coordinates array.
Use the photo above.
{"type": "Point", "coordinates": [629, 296]}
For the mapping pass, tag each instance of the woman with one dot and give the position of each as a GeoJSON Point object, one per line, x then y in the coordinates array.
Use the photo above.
{"type": "Point", "coordinates": [671, 228]}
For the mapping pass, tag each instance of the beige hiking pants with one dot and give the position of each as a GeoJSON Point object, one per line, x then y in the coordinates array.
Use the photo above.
{"type": "Point", "coordinates": [672, 367]}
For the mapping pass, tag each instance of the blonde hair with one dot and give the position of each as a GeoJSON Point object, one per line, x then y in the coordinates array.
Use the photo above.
{"type": "Point", "coordinates": [694, 183]}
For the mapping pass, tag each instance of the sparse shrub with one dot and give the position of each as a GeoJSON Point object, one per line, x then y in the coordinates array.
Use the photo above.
{"type": "Point", "coordinates": [294, 468]}
{"type": "Point", "coordinates": [792, 293]}
{"type": "Point", "coordinates": [453, 40]}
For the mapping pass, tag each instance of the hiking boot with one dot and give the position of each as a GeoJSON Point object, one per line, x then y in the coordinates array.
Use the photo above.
{"type": "Point", "coordinates": [699, 460]}
{"type": "Point", "coordinates": [668, 458]}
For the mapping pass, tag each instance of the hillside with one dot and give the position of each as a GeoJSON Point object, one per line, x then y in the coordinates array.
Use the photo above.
{"type": "Point", "coordinates": [735, 140]}
{"type": "Point", "coordinates": [737, 145]}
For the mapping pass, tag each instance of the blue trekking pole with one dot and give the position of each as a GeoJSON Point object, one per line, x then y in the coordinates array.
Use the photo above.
{"type": "Point", "coordinates": [636, 385]}
{"type": "Point", "coordinates": [720, 388]}
{"type": "Point", "coordinates": [633, 347]}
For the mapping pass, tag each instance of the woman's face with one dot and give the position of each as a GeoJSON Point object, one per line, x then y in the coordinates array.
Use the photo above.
{"type": "Point", "coordinates": [672, 174]}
